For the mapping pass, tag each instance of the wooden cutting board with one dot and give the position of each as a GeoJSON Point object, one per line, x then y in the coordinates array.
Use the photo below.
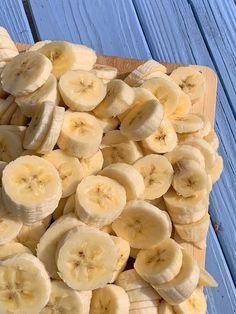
{"type": "Point", "coordinates": [206, 107]}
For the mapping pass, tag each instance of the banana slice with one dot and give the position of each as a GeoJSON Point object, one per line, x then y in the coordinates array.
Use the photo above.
{"type": "Point", "coordinates": [10, 145]}
{"type": "Point", "coordinates": [143, 294]}
{"type": "Point", "coordinates": [25, 285]}
{"type": "Point", "coordinates": [39, 126]}
{"type": "Point", "coordinates": [92, 165]}
{"type": "Point", "coordinates": [183, 107]}
{"type": "Point", "coordinates": [12, 248]}
{"type": "Point", "coordinates": [142, 120]}
{"type": "Point", "coordinates": [183, 285]}
{"type": "Point", "coordinates": [143, 305]}
{"type": "Point", "coordinates": [99, 200]}
{"type": "Point", "coordinates": [7, 43]}
{"type": "Point", "coordinates": [4, 32]}
{"type": "Point", "coordinates": [159, 202]}
{"type": "Point", "coordinates": [113, 137]}
{"type": "Point", "coordinates": [69, 205]}
{"type": "Point", "coordinates": [187, 123]}
{"type": "Point", "coordinates": [189, 177]}
{"type": "Point", "coordinates": [81, 90]}
{"type": "Point", "coordinates": [25, 73]}
{"type": "Point", "coordinates": [142, 225]}
{"type": "Point", "coordinates": [217, 169]}
{"type": "Point", "coordinates": [119, 98]}
{"type": "Point", "coordinates": [105, 72]}
{"type": "Point", "coordinates": [186, 210]}
{"type": "Point", "coordinates": [191, 81]}
{"type": "Point", "coordinates": [110, 299]}
{"type": "Point", "coordinates": [108, 229]}
{"type": "Point", "coordinates": [69, 169]}
{"type": "Point", "coordinates": [212, 139]}
{"type": "Point", "coordinates": [195, 304]}
{"type": "Point", "coordinates": [206, 126]}
{"type": "Point", "coordinates": [8, 54]}
{"type": "Point", "coordinates": [130, 280]}
{"type": "Point", "coordinates": [81, 134]}
{"type": "Point", "coordinates": [15, 129]}
{"type": "Point", "coordinates": [18, 118]}
{"type": "Point", "coordinates": [157, 174]}
{"type": "Point", "coordinates": [128, 177]}
{"type": "Point", "coordinates": [5, 104]}
{"type": "Point", "coordinates": [30, 103]}
{"type": "Point", "coordinates": [67, 56]}
{"type": "Point", "coordinates": [166, 91]}
{"type": "Point", "coordinates": [194, 232]}
{"type": "Point", "coordinates": [46, 248]}
{"type": "Point", "coordinates": [163, 140]}
{"type": "Point", "coordinates": [82, 258]}
{"type": "Point", "coordinates": [31, 188]}
{"type": "Point", "coordinates": [160, 264]}
{"type": "Point", "coordinates": [108, 124]}
{"type": "Point", "coordinates": [165, 308]}
{"type": "Point", "coordinates": [7, 115]}
{"type": "Point", "coordinates": [58, 212]}
{"type": "Point", "coordinates": [206, 279]}
{"type": "Point", "coordinates": [39, 44]}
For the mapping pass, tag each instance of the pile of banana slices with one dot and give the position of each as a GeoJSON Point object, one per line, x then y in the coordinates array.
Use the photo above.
{"type": "Point", "coordinates": [97, 173]}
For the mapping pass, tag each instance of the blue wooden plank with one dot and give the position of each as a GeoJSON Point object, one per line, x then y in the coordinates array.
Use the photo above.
{"type": "Point", "coordinates": [92, 23]}
{"type": "Point", "coordinates": [173, 35]}
{"type": "Point", "coordinates": [13, 18]}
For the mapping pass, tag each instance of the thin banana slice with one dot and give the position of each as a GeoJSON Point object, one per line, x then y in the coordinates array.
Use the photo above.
{"type": "Point", "coordinates": [157, 174]}
{"type": "Point", "coordinates": [195, 304]}
{"type": "Point", "coordinates": [130, 280]}
{"type": "Point", "coordinates": [7, 115]}
{"type": "Point", "coordinates": [5, 104]}
{"type": "Point", "coordinates": [81, 134]}
{"type": "Point", "coordinates": [99, 200]}
{"type": "Point", "coordinates": [128, 177]}
{"type": "Point", "coordinates": [206, 279]}
{"type": "Point", "coordinates": [165, 308]}
{"type": "Point", "coordinates": [191, 81]}
{"type": "Point", "coordinates": [143, 294]}
{"type": "Point", "coordinates": [83, 260]}
{"type": "Point", "coordinates": [10, 145]}
{"type": "Point", "coordinates": [92, 165]}
{"type": "Point", "coordinates": [18, 118]}
{"type": "Point", "coordinates": [142, 120]}
{"type": "Point", "coordinates": [143, 305]}
{"type": "Point", "coordinates": [105, 72]}
{"type": "Point", "coordinates": [7, 43]}
{"type": "Point", "coordinates": [217, 169]}
{"type": "Point", "coordinates": [212, 139]}
{"type": "Point", "coordinates": [15, 129]}
{"type": "Point", "coordinates": [183, 107]}
{"type": "Point", "coordinates": [69, 205]}
{"type": "Point", "coordinates": [206, 126]}
{"type": "Point", "coordinates": [119, 98]}
{"type": "Point", "coordinates": [163, 140]}
{"type": "Point", "coordinates": [25, 73]}
{"type": "Point", "coordinates": [12, 248]}
{"type": "Point", "coordinates": [39, 44]}
{"type": "Point", "coordinates": [142, 225]}
{"type": "Point", "coordinates": [7, 54]}
{"type": "Point", "coordinates": [25, 286]}
{"type": "Point", "coordinates": [81, 90]}
{"type": "Point", "coordinates": [31, 188]}
{"type": "Point", "coordinates": [187, 123]}
{"type": "Point", "coordinates": [108, 124]}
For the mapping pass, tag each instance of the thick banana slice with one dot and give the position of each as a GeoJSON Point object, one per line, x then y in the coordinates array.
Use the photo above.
{"type": "Point", "coordinates": [83, 260]}
{"type": "Point", "coordinates": [128, 177]}
{"type": "Point", "coordinates": [191, 81]}
{"type": "Point", "coordinates": [130, 280]}
{"type": "Point", "coordinates": [18, 118]}
{"type": "Point", "coordinates": [30, 103]}
{"type": "Point", "coordinates": [212, 139]}
{"type": "Point", "coordinates": [187, 123]}
{"type": "Point", "coordinates": [110, 299]}
{"type": "Point", "coordinates": [81, 134]}
{"type": "Point", "coordinates": [186, 210]}
{"type": "Point", "coordinates": [7, 54]}
{"type": "Point", "coordinates": [81, 90]}
{"type": "Point", "coordinates": [69, 205]}
{"type": "Point", "coordinates": [104, 72]}
{"type": "Point", "coordinates": [166, 91]}
{"type": "Point", "coordinates": [206, 126]}
{"type": "Point", "coordinates": [183, 107]}
{"type": "Point", "coordinates": [206, 279]}
{"type": "Point", "coordinates": [10, 145]}
{"type": "Point", "coordinates": [157, 174]}
{"type": "Point", "coordinates": [163, 140]}
{"type": "Point", "coordinates": [195, 304]}
{"type": "Point", "coordinates": [12, 248]}
{"type": "Point", "coordinates": [31, 188]}
{"type": "Point", "coordinates": [7, 115]}
{"type": "Point", "coordinates": [165, 308]}
{"type": "Point", "coordinates": [69, 169]}
{"type": "Point", "coordinates": [39, 44]}
{"type": "Point", "coordinates": [25, 286]}
{"type": "Point", "coordinates": [182, 286]}
{"type": "Point", "coordinates": [99, 200]}
{"type": "Point", "coordinates": [217, 169]}
{"type": "Point", "coordinates": [189, 177]}
{"type": "Point", "coordinates": [25, 73]}
{"type": "Point", "coordinates": [93, 164]}
{"type": "Point", "coordinates": [142, 225]}
{"type": "Point", "coordinates": [67, 56]}
{"type": "Point", "coordinates": [119, 98]}
{"type": "Point", "coordinates": [160, 264]}
{"type": "Point", "coordinates": [108, 124]}
{"type": "Point", "coordinates": [113, 137]}
{"type": "Point", "coordinates": [143, 294]}
{"type": "Point", "coordinates": [142, 120]}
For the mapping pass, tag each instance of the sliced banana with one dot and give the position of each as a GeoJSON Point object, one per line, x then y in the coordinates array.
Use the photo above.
{"type": "Point", "coordinates": [217, 169]}
{"type": "Point", "coordinates": [206, 126]}
{"type": "Point", "coordinates": [4, 32]}
{"type": "Point", "coordinates": [99, 200]}
{"type": "Point", "coordinates": [142, 225]}
{"type": "Point", "coordinates": [183, 107]}
{"type": "Point", "coordinates": [195, 304]}
{"type": "Point", "coordinates": [39, 44]}
{"type": "Point", "coordinates": [7, 115]}
{"type": "Point", "coordinates": [5, 104]}
{"type": "Point", "coordinates": [108, 124]}
{"type": "Point", "coordinates": [25, 73]}
{"type": "Point", "coordinates": [159, 202]}
{"type": "Point", "coordinates": [15, 129]}
{"type": "Point", "coordinates": [165, 308]}
{"type": "Point", "coordinates": [143, 305]}
{"type": "Point", "coordinates": [191, 81]}
{"type": "Point", "coordinates": [31, 188]}
{"type": "Point", "coordinates": [81, 90]}
{"type": "Point", "coordinates": [58, 212]}
{"type": "Point", "coordinates": [212, 139]}
{"type": "Point", "coordinates": [187, 123]}
{"type": "Point", "coordinates": [69, 205]}
{"type": "Point", "coordinates": [25, 285]}
{"type": "Point", "coordinates": [81, 134]}
{"type": "Point", "coordinates": [18, 118]}
{"type": "Point", "coordinates": [7, 43]}
{"type": "Point", "coordinates": [130, 280]}
{"type": "Point", "coordinates": [157, 174]}
{"type": "Point", "coordinates": [142, 120]}
{"type": "Point", "coordinates": [12, 248]}
{"type": "Point", "coordinates": [104, 72]}
{"type": "Point", "coordinates": [93, 164]}
{"type": "Point", "coordinates": [7, 54]}
{"type": "Point", "coordinates": [10, 145]}
{"type": "Point", "coordinates": [113, 137]}
{"type": "Point", "coordinates": [206, 279]}
{"type": "Point", "coordinates": [119, 98]}
{"type": "Point", "coordinates": [143, 294]}
{"type": "Point", "coordinates": [69, 169]}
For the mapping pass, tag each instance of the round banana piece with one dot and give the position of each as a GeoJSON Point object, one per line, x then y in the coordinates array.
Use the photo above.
{"type": "Point", "coordinates": [5, 104]}
{"type": "Point", "coordinates": [191, 81]}
{"type": "Point", "coordinates": [142, 225]}
{"type": "Point", "coordinates": [130, 280]}
{"type": "Point", "coordinates": [187, 123]}
{"type": "Point", "coordinates": [217, 169]}
{"type": "Point", "coordinates": [143, 305]}
{"type": "Point", "coordinates": [128, 177]}
{"type": "Point", "coordinates": [69, 169]}
{"type": "Point", "coordinates": [12, 248]}
{"type": "Point", "coordinates": [99, 200]}
{"type": "Point", "coordinates": [69, 205]}
{"type": "Point", "coordinates": [25, 283]}
{"type": "Point", "coordinates": [81, 90]}
{"type": "Point", "coordinates": [195, 304]}
{"type": "Point", "coordinates": [119, 98]}
{"type": "Point", "coordinates": [212, 139]}
{"type": "Point", "coordinates": [206, 279]}
{"type": "Point", "coordinates": [157, 174]}
{"type": "Point", "coordinates": [142, 120]}
{"type": "Point", "coordinates": [92, 165]}
{"type": "Point", "coordinates": [10, 145]}
{"type": "Point", "coordinates": [105, 72]}
{"type": "Point", "coordinates": [25, 73]}
{"type": "Point", "coordinates": [39, 44]}
{"type": "Point", "coordinates": [184, 106]}
{"type": "Point", "coordinates": [143, 294]}
{"type": "Point", "coordinates": [110, 299]}
{"type": "Point", "coordinates": [7, 54]}
{"type": "Point", "coordinates": [31, 188]}
{"type": "Point", "coordinates": [83, 260]}
{"type": "Point", "coordinates": [18, 118]}
{"type": "Point", "coordinates": [163, 140]}
{"type": "Point", "coordinates": [108, 124]}
{"type": "Point", "coordinates": [113, 137]}
{"type": "Point", "coordinates": [81, 134]}
{"type": "Point", "coordinates": [15, 129]}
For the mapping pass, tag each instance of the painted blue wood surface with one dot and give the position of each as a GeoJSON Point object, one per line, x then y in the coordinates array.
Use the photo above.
{"type": "Point", "coordinates": [13, 18]}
